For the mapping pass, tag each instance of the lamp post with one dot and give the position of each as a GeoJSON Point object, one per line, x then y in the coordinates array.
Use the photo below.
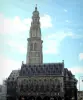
{"type": "Point", "coordinates": [79, 82]}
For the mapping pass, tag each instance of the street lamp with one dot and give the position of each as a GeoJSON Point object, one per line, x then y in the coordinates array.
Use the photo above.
{"type": "Point", "coordinates": [79, 82]}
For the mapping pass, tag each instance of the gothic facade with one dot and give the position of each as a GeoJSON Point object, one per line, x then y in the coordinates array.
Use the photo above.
{"type": "Point", "coordinates": [80, 95]}
{"type": "Point", "coordinates": [37, 80]}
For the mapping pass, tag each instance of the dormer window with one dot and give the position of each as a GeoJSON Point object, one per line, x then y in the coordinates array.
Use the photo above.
{"type": "Point", "coordinates": [23, 72]}
{"type": "Point", "coordinates": [8, 78]}
{"type": "Point", "coordinates": [35, 19]}
{"type": "Point", "coordinates": [13, 78]}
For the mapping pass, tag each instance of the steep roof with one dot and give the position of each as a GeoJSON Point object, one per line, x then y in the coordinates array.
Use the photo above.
{"type": "Point", "coordinates": [44, 69]}
{"type": "Point", "coordinates": [14, 74]}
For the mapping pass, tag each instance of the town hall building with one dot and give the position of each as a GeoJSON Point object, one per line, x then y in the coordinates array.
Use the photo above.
{"type": "Point", "coordinates": [37, 80]}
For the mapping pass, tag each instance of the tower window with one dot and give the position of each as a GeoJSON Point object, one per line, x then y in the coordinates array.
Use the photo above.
{"type": "Point", "coordinates": [35, 19]}
{"type": "Point", "coordinates": [35, 46]}
{"type": "Point", "coordinates": [31, 47]}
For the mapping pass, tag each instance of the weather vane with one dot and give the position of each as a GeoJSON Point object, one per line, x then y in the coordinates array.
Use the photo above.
{"type": "Point", "coordinates": [36, 8]}
{"type": "Point", "coordinates": [36, 5]}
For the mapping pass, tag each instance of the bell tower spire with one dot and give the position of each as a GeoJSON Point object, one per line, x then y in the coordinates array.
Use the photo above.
{"type": "Point", "coordinates": [34, 51]}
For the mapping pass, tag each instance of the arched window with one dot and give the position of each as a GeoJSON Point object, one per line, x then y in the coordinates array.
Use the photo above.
{"type": "Point", "coordinates": [36, 32]}
{"type": "Point", "coordinates": [42, 88]}
{"type": "Point", "coordinates": [23, 72]}
{"type": "Point", "coordinates": [35, 46]}
{"type": "Point", "coordinates": [27, 86]}
{"type": "Point", "coordinates": [31, 46]}
{"type": "Point", "coordinates": [37, 87]}
{"type": "Point", "coordinates": [21, 88]}
{"type": "Point", "coordinates": [47, 87]}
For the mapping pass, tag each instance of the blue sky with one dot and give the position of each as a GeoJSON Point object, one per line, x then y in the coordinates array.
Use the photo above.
{"type": "Point", "coordinates": [61, 27]}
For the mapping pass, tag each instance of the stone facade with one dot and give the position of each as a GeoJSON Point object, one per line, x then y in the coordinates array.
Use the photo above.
{"type": "Point", "coordinates": [11, 84]}
{"type": "Point", "coordinates": [41, 79]}
{"type": "Point", "coordinates": [80, 95]}
{"type": "Point", "coordinates": [38, 80]}
{"type": "Point", "coordinates": [70, 85]}
{"type": "Point", "coordinates": [13, 76]}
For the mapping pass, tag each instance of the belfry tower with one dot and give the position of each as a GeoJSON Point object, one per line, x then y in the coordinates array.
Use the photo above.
{"type": "Point", "coordinates": [34, 47]}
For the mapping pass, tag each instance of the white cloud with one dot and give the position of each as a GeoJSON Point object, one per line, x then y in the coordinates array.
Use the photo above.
{"type": "Point", "coordinates": [67, 21]}
{"type": "Point", "coordinates": [52, 42]}
{"type": "Point", "coordinates": [77, 36]}
{"type": "Point", "coordinates": [81, 56]}
{"type": "Point", "coordinates": [79, 82]}
{"type": "Point", "coordinates": [50, 47]}
{"type": "Point", "coordinates": [27, 21]}
{"type": "Point", "coordinates": [20, 47]}
{"type": "Point", "coordinates": [46, 21]}
{"type": "Point", "coordinates": [77, 70]}
{"type": "Point", "coordinates": [59, 36]}
{"type": "Point", "coordinates": [6, 66]}
{"type": "Point", "coordinates": [17, 25]}
{"type": "Point", "coordinates": [65, 10]}
{"type": "Point", "coordinates": [14, 25]}
{"type": "Point", "coordinates": [1, 23]}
